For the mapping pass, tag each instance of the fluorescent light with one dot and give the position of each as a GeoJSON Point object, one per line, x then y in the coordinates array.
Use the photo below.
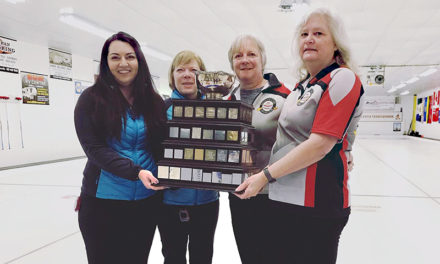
{"type": "Point", "coordinates": [404, 93]}
{"type": "Point", "coordinates": [67, 16]}
{"type": "Point", "coordinates": [428, 72]}
{"type": "Point", "coordinates": [400, 86]}
{"type": "Point", "coordinates": [155, 53]}
{"type": "Point", "coordinates": [15, 1]}
{"type": "Point", "coordinates": [413, 80]}
{"type": "Point", "coordinates": [392, 90]}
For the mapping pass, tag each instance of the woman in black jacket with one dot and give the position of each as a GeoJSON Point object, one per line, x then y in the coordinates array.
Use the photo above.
{"type": "Point", "coordinates": [119, 122]}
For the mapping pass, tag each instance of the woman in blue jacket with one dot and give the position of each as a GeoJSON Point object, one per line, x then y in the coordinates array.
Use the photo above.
{"type": "Point", "coordinates": [119, 122]}
{"type": "Point", "coordinates": [188, 214]}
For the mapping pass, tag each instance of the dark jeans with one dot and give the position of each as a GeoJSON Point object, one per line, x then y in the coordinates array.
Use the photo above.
{"type": "Point", "coordinates": [304, 239]}
{"type": "Point", "coordinates": [178, 224]}
{"type": "Point", "coordinates": [118, 231]}
{"type": "Point", "coordinates": [251, 222]}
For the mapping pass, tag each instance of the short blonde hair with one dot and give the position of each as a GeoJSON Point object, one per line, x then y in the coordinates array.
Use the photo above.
{"type": "Point", "coordinates": [342, 55]}
{"type": "Point", "coordinates": [182, 58]}
{"type": "Point", "coordinates": [238, 42]}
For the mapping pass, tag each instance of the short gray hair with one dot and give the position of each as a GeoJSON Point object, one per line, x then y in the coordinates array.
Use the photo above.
{"type": "Point", "coordinates": [238, 42]}
{"type": "Point", "coordinates": [343, 55]}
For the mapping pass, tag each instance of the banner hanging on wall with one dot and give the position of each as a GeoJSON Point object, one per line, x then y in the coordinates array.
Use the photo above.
{"type": "Point", "coordinates": [382, 117]}
{"type": "Point", "coordinates": [379, 103]}
{"type": "Point", "coordinates": [435, 114]}
{"type": "Point", "coordinates": [60, 65]}
{"type": "Point", "coordinates": [425, 107]}
{"type": "Point", "coordinates": [436, 106]}
{"type": "Point", "coordinates": [8, 55]}
{"type": "Point", "coordinates": [430, 110]}
{"type": "Point", "coordinates": [35, 88]}
{"type": "Point", "coordinates": [419, 109]}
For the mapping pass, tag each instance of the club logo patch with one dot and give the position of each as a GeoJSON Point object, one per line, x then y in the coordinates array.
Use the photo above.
{"type": "Point", "coordinates": [305, 97]}
{"type": "Point", "coordinates": [267, 106]}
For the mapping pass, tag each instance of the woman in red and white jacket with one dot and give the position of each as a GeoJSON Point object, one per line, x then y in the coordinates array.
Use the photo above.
{"type": "Point", "coordinates": [308, 172]}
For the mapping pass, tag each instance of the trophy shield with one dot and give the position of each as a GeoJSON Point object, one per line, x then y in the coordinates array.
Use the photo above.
{"type": "Point", "coordinates": [210, 142]}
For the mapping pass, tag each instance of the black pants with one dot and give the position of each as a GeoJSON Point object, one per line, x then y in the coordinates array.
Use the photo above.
{"type": "Point", "coordinates": [304, 239]}
{"type": "Point", "coordinates": [251, 222]}
{"type": "Point", "coordinates": [196, 223]}
{"type": "Point", "coordinates": [118, 231]}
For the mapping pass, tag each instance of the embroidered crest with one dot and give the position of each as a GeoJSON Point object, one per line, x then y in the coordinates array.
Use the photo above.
{"type": "Point", "coordinates": [305, 97]}
{"type": "Point", "coordinates": [267, 106]}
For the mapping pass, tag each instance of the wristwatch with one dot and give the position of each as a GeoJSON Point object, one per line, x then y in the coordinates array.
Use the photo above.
{"type": "Point", "coordinates": [269, 177]}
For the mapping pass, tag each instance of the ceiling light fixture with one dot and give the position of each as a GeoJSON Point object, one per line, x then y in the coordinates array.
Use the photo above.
{"type": "Point", "coordinates": [69, 17]}
{"type": "Point", "coordinates": [15, 1]}
{"type": "Point", "coordinates": [400, 86]}
{"type": "Point", "coordinates": [428, 72]}
{"type": "Point", "coordinates": [413, 80]}
{"type": "Point", "coordinates": [404, 93]}
{"type": "Point", "coordinates": [392, 90]}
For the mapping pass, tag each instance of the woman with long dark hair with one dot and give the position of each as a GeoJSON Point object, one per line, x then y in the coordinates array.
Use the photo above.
{"type": "Point", "coordinates": [119, 122]}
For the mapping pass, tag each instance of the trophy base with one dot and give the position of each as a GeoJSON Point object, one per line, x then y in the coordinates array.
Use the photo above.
{"type": "Point", "coordinates": [197, 185]}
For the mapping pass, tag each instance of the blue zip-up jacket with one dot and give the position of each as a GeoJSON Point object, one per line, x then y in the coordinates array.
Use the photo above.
{"type": "Point", "coordinates": [113, 166]}
{"type": "Point", "coordinates": [184, 196]}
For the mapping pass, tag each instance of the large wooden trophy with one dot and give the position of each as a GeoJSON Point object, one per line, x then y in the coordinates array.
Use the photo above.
{"type": "Point", "coordinates": [209, 143]}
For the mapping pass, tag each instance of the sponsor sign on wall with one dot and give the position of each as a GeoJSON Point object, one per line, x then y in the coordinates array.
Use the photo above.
{"type": "Point", "coordinates": [60, 65]}
{"type": "Point", "coordinates": [35, 88]}
{"type": "Point", "coordinates": [80, 86]}
{"type": "Point", "coordinates": [8, 55]}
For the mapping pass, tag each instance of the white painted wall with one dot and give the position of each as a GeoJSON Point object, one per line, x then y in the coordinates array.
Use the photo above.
{"type": "Point", "coordinates": [48, 130]}
{"type": "Point", "coordinates": [379, 129]}
{"type": "Point", "coordinates": [407, 102]}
